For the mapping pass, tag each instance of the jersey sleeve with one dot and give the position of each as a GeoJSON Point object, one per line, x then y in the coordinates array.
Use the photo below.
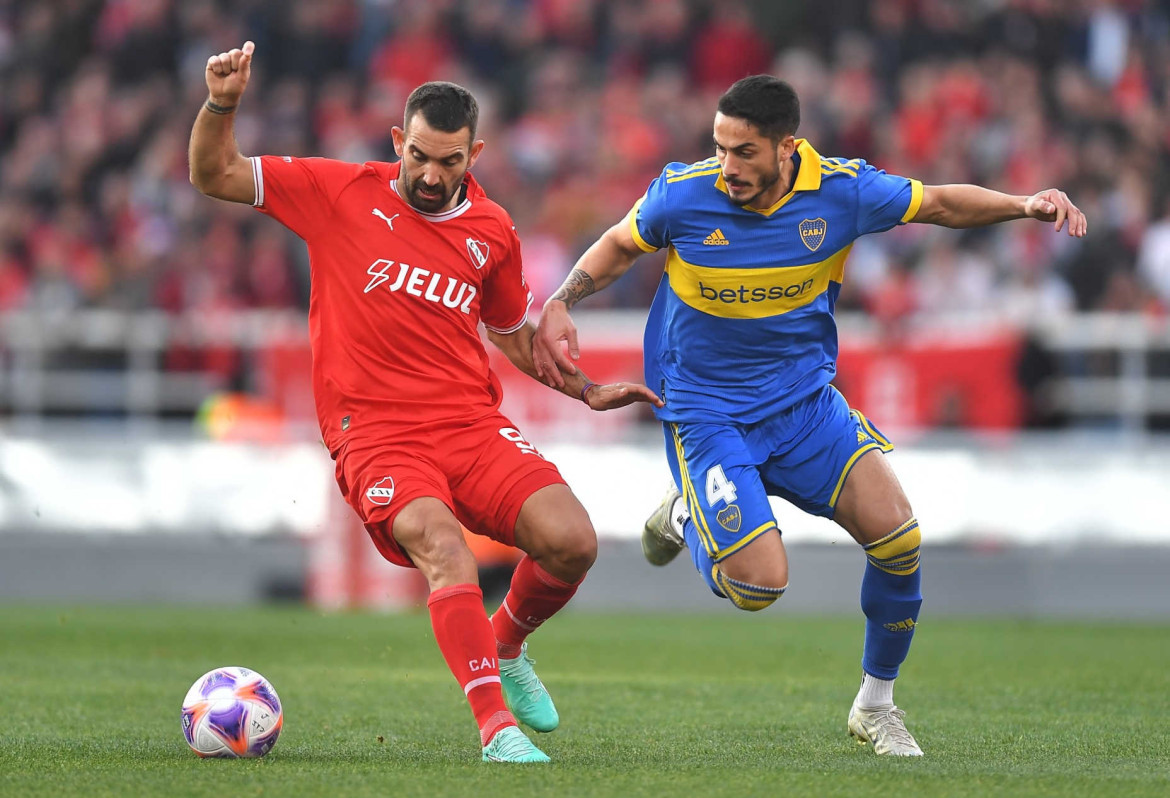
{"type": "Point", "coordinates": [506, 297]}
{"type": "Point", "coordinates": [884, 200]}
{"type": "Point", "coordinates": [649, 219]}
{"type": "Point", "coordinates": [300, 192]}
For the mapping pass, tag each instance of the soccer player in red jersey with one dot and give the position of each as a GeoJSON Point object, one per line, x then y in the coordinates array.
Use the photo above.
{"type": "Point", "coordinates": [407, 258]}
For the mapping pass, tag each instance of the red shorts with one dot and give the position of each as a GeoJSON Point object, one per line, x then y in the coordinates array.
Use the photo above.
{"type": "Point", "coordinates": [483, 471]}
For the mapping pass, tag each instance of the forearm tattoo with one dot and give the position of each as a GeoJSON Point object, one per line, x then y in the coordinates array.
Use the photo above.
{"type": "Point", "coordinates": [577, 286]}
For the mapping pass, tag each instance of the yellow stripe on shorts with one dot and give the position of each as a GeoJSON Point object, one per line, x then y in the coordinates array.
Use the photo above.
{"type": "Point", "coordinates": [692, 498]}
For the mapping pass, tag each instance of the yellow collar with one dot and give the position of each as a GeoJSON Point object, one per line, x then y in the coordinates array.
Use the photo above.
{"type": "Point", "coordinates": [808, 177]}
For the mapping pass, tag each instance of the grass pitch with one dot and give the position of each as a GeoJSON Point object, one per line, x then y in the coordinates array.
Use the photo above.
{"type": "Point", "coordinates": [651, 706]}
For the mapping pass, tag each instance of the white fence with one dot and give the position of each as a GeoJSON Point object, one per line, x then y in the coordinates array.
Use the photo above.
{"type": "Point", "coordinates": [1048, 490]}
{"type": "Point", "coordinates": [1109, 368]}
{"type": "Point", "coordinates": [84, 444]}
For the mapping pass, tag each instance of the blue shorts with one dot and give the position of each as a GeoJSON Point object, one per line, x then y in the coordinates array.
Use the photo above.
{"type": "Point", "coordinates": [802, 454]}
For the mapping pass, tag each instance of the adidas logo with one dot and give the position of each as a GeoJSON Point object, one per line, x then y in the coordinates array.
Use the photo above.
{"type": "Point", "coordinates": [716, 239]}
{"type": "Point", "coordinates": [901, 626]}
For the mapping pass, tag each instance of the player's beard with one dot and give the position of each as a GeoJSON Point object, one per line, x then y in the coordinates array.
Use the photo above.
{"type": "Point", "coordinates": [429, 204]}
{"type": "Point", "coordinates": [766, 183]}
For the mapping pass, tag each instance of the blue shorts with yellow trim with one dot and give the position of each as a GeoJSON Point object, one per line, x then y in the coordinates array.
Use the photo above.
{"type": "Point", "coordinates": [802, 454]}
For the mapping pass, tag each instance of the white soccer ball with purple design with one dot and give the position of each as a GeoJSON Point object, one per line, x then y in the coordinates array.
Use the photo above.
{"type": "Point", "coordinates": [232, 712]}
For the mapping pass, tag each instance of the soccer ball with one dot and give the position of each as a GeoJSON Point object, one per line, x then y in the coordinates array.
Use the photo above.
{"type": "Point", "coordinates": [232, 712]}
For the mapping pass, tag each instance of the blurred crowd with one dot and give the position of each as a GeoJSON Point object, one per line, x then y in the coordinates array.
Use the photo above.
{"type": "Point", "coordinates": [583, 102]}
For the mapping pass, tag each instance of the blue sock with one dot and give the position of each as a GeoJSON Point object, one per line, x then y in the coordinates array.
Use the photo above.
{"type": "Point", "coordinates": [699, 556]}
{"type": "Point", "coordinates": [891, 596]}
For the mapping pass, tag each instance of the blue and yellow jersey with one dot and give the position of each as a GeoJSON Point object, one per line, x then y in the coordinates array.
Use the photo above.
{"type": "Point", "coordinates": [742, 324]}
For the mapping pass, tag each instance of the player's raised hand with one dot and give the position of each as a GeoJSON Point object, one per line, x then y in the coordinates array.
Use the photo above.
{"type": "Point", "coordinates": [1053, 205]}
{"type": "Point", "coordinates": [620, 394]}
{"type": "Point", "coordinates": [227, 75]}
{"type": "Point", "coordinates": [548, 354]}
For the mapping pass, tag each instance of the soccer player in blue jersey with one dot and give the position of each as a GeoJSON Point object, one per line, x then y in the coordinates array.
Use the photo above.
{"type": "Point", "coordinates": [741, 344]}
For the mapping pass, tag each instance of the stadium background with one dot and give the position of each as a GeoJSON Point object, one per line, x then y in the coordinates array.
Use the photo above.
{"type": "Point", "coordinates": [154, 404]}
{"type": "Point", "coordinates": [166, 506]}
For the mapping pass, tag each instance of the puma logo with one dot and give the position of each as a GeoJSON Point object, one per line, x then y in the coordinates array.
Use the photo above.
{"type": "Point", "coordinates": [382, 216]}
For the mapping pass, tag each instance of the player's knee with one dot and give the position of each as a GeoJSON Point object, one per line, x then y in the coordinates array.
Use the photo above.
{"type": "Point", "coordinates": [583, 549]}
{"type": "Point", "coordinates": [579, 553]}
{"type": "Point", "coordinates": [746, 595]}
{"type": "Point", "coordinates": [897, 552]}
{"type": "Point", "coordinates": [571, 551]}
{"type": "Point", "coordinates": [450, 552]}
{"type": "Point", "coordinates": [767, 572]}
{"type": "Point", "coordinates": [440, 552]}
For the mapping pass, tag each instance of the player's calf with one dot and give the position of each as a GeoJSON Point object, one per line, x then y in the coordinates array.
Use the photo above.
{"type": "Point", "coordinates": [535, 596]}
{"type": "Point", "coordinates": [891, 597]}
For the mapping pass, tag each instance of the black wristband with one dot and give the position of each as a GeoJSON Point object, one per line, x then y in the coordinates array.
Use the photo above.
{"type": "Point", "coordinates": [219, 109]}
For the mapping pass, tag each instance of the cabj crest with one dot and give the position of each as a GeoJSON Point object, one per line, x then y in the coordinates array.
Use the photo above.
{"type": "Point", "coordinates": [812, 232]}
{"type": "Point", "coordinates": [730, 518]}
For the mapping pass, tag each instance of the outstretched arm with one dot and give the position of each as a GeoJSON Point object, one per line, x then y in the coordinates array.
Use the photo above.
{"type": "Point", "coordinates": [518, 348]}
{"type": "Point", "coordinates": [961, 205]}
{"type": "Point", "coordinates": [609, 258]}
{"type": "Point", "coordinates": [217, 167]}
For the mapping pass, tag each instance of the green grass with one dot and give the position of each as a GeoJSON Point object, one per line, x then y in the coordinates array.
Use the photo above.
{"type": "Point", "coordinates": [651, 706]}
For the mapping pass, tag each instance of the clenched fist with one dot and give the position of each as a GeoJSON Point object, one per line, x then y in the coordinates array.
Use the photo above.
{"type": "Point", "coordinates": [227, 75]}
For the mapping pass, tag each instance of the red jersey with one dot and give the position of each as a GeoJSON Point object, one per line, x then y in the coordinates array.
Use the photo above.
{"type": "Point", "coordinates": [397, 294]}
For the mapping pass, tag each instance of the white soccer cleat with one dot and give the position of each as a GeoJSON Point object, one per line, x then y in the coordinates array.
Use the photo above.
{"type": "Point", "coordinates": [662, 537]}
{"type": "Point", "coordinates": [885, 728]}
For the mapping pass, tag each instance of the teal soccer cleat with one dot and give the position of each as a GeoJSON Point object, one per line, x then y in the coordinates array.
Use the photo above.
{"type": "Point", "coordinates": [511, 745]}
{"type": "Point", "coordinates": [526, 695]}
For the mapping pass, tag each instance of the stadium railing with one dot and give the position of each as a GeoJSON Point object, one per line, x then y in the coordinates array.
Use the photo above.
{"type": "Point", "coordinates": [1096, 370]}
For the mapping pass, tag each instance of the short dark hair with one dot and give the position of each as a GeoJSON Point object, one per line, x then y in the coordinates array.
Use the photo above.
{"type": "Point", "coordinates": [446, 106]}
{"type": "Point", "coordinates": [764, 101]}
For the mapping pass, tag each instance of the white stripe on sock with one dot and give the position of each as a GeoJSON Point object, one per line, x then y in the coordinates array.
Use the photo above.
{"type": "Point", "coordinates": [482, 680]}
{"type": "Point", "coordinates": [516, 620]}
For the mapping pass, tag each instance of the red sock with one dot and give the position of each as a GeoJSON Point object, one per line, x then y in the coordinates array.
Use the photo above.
{"type": "Point", "coordinates": [535, 596]}
{"type": "Point", "coordinates": [464, 635]}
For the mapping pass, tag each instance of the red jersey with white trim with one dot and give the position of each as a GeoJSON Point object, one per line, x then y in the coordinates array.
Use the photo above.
{"type": "Point", "coordinates": [397, 294]}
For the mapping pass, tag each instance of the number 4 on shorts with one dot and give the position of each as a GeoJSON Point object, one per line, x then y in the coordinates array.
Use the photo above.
{"type": "Point", "coordinates": [719, 487]}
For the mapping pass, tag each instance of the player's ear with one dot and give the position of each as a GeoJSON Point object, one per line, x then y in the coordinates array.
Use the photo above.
{"type": "Point", "coordinates": [399, 137]}
{"type": "Point", "coordinates": [786, 147]}
{"type": "Point", "coordinates": [476, 149]}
